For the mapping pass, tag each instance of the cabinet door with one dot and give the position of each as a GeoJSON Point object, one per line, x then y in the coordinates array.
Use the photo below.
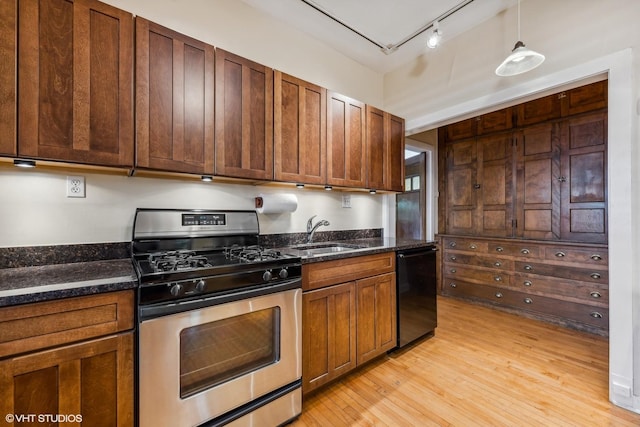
{"type": "Point", "coordinates": [75, 79]}
{"type": "Point", "coordinates": [8, 22]}
{"type": "Point", "coordinates": [496, 121]}
{"type": "Point", "coordinates": [376, 150]}
{"type": "Point", "coordinates": [300, 119]}
{"type": "Point", "coordinates": [174, 100]}
{"type": "Point", "coordinates": [92, 379]}
{"type": "Point", "coordinates": [395, 153]}
{"type": "Point", "coordinates": [346, 127]}
{"type": "Point", "coordinates": [583, 178]}
{"type": "Point", "coordinates": [244, 117]}
{"type": "Point", "coordinates": [461, 190]}
{"type": "Point", "coordinates": [539, 110]}
{"type": "Point", "coordinates": [328, 334]}
{"type": "Point", "coordinates": [376, 316]}
{"type": "Point", "coordinates": [585, 98]}
{"type": "Point", "coordinates": [538, 186]}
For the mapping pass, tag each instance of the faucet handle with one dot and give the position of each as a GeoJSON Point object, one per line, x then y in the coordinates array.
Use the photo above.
{"type": "Point", "coordinates": [310, 224]}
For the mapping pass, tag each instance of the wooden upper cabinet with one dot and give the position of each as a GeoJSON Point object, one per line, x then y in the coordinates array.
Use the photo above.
{"type": "Point", "coordinates": [496, 121]}
{"type": "Point", "coordinates": [174, 100]}
{"type": "Point", "coordinates": [244, 117]}
{"type": "Point", "coordinates": [461, 130]}
{"type": "Point", "coordinates": [586, 98]}
{"type": "Point", "coordinates": [346, 137]}
{"type": "Point", "coordinates": [385, 150]}
{"type": "Point", "coordinates": [75, 79]}
{"type": "Point", "coordinates": [300, 142]}
{"type": "Point", "coordinates": [8, 24]}
{"type": "Point", "coordinates": [539, 110]}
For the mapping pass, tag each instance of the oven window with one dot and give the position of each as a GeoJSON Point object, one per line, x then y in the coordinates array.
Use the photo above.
{"type": "Point", "coordinates": [215, 352]}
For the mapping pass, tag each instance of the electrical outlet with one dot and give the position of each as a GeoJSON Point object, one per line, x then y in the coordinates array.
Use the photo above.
{"type": "Point", "coordinates": [346, 200]}
{"type": "Point", "coordinates": [75, 186]}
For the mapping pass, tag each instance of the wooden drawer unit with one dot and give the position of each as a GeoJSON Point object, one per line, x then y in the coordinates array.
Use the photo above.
{"type": "Point", "coordinates": [478, 275]}
{"type": "Point", "coordinates": [478, 260]}
{"type": "Point", "coordinates": [320, 274]}
{"type": "Point", "coordinates": [465, 244]}
{"type": "Point", "coordinates": [596, 256]}
{"type": "Point", "coordinates": [565, 272]}
{"type": "Point", "coordinates": [590, 293]}
{"type": "Point", "coordinates": [520, 249]}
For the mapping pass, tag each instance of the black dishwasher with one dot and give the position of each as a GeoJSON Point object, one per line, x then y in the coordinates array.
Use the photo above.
{"type": "Point", "coordinates": [416, 292]}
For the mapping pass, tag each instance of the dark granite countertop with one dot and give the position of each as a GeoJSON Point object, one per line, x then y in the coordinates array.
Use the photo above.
{"type": "Point", "coordinates": [22, 285]}
{"type": "Point", "coordinates": [368, 246]}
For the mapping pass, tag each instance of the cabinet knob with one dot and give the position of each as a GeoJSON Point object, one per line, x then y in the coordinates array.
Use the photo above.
{"type": "Point", "coordinates": [596, 257]}
{"type": "Point", "coordinates": [499, 249]}
{"type": "Point", "coordinates": [453, 285]}
{"type": "Point", "coordinates": [498, 264]}
{"type": "Point", "coordinates": [595, 294]}
{"type": "Point", "coordinates": [595, 275]}
{"type": "Point", "coordinates": [453, 244]}
{"type": "Point", "coordinates": [476, 186]}
{"type": "Point", "coordinates": [498, 294]}
{"type": "Point", "coordinates": [596, 315]}
{"type": "Point", "coordinates": [498, 279]}
{"type": "Point", "coordinates": [562, 178]}
{"type": "Point", "coordinates": [453, 270]}
{"type": "Point", "coordinates": [453, 258]}
{"type": "Point", "coordinates": [528, 301]}
{"type": "Point", "coordinates": [525, 251]}
{"type": "Point", "coordinates": [528, 268]}
{"type": "Point", "coordinates": [560, 254]}
{"type": "Point", "coordinates": [527, 283]}
{"type": "Point", "coordinates": [473, 246]}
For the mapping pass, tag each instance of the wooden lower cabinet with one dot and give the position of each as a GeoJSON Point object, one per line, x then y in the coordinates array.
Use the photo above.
{"type": "Point", "coordinates": [348, 315]}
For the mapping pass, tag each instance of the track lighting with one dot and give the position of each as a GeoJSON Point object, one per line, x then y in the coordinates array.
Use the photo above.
{"type": "Point", "coordinates": [521, 59]}
{"type": "Point", "coordinates": [434, 38]}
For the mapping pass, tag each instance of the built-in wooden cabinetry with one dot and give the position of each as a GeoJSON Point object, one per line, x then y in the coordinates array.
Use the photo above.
{"type": "Point", "coordinates": [8, 81]}
{"type": "Point", "coordinates": [300, 130]}
{"type": "Point", "coordinates": [71, 357]}
{"type": "Point", "coordinates": [174, 100]}
{"type": "Point", "coordinates": [533, 172]}
{"type": "Point", "coordinates": [244, 117]}
{"type": "Point", "coordinates": [75, 79]}
{"type": "Point", "coordinates": [385, 150]}
{"type": "Point", "coordinates": [349, 315]}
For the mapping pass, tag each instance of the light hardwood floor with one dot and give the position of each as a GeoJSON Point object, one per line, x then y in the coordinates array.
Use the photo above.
{"type": "Point", "coordinates": [482, 368]}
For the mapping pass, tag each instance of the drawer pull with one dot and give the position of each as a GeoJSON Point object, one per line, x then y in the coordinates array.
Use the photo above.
{"type": "Point", "coordinates": [453, 270]}
{"type": "Point", "coordinates": [453, 285]}
{"type": "Point", "coordinates": [525, 251]}
{"type": "Point", "coordinates": [560, 254]}
{"type": "Point", "coordinates": [499, 249]}
{"type": "Point", "coordinates": [498, 279]}
{"type": "Point", "coordinates": [473, 246]}
{"type": "Point", "coordinates": [498, 294]}
{"type": "Point", "coordinates": [595, 275]}
{"type": "Point", "coordinates": [595, 294]}
{"type": "Point", "coordinates": [527, 283]}
{"type": "Point", "coordinates": [453, 258]}
{"type": "Point", "coordinates": [596, 257]}
{"type": "Point", "coordinates": [498, 264]}
{"type": "Point", "coordinates": [596, 315]}
{"type": "Point", "coordinates": [528, 301]}
{"type": "Point", "coordinates": [453, 244]}
{"type": "Point", "coordinates": [528, 268]}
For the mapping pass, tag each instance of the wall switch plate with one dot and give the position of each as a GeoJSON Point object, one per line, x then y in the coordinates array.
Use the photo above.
{"type": "Point", "coordinates": [346, 200]}
{"type": "Point", "coordinates": [75, 186]}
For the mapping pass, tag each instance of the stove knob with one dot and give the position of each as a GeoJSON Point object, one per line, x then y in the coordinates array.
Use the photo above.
{"type": "Point", "coordinates": [200, 286]}
{"type": "Point", "coordinates": [267, 276]}
{"type": "Point", "coordinates": [176, 290]}
{"type": "Point", "coordinates": [284, 273]}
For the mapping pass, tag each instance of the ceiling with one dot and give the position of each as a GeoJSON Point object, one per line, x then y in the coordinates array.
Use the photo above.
{"type": "Point", "coordinates": [380, 31]}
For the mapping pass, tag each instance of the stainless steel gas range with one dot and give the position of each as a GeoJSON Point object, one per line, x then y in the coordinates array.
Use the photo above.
{"type": "Point", "coordinates": [219, 321]}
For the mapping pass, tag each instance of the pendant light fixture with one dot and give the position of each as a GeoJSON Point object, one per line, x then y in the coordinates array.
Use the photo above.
{"type": "Point", "coordinates": [521, 59]}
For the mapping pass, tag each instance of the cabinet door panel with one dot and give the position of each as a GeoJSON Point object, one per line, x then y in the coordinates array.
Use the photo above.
{"type": "Point", "coordinates": [395, 153]}
{"type": "Point", "coordinates": [376, 151]}
{"type": "Point", "coordinates": [244, 117]}
{"type": "Point", "coordinates": [174, 100]}
{"type": "Point", "coordinates": [300, 130]}
{"type": "Point", "coordinates": [461, 130]}
{"type": "Point", "coordinates": [585, 98]}
{"type": "Point", "coordinates": [495, 121]}
{"type": "Point", "coordinates": [495, 181]}
{"type": "Point", "coordinates": [376, 316]}
{"type": "Point", "coordinates": [461, 191]}
{"type": "Point", "coordinates": [539, 110]}
{"type": "Point", "coordinates": [75, 82]}
{"type": "Point", "coordinates": [8, 22]}
{"type": "Point", "coordinates": [346, 126]}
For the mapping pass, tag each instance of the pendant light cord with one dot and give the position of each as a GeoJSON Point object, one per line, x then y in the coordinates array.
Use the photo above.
{"type": "Point", "coordinates": [519, 20]}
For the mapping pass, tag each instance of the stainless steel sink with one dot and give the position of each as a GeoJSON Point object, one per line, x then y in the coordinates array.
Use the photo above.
{"type": "Point", "coordinates": [311, 249]}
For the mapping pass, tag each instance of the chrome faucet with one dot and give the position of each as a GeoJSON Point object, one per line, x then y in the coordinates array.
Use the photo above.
{"type": "Point", "coordinates": [311, 229]}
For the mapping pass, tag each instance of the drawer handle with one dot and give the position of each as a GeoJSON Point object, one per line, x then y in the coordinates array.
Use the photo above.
{"type": "Point", "coordinates": [560, 254]}
{"type": "Point", "coordinates": [499, 249]}
{"type": "Point", "coordinates": [525, 251]}
{"type": "Point", "coordinates": [528, 301]}
{"type": "Point", "coordinates": [498, 294]}
{"type": "Point", "coordinates": [498, 279]}
{"type": "Point", "coordinates": [453, 285]}
{"type": "Point", "coordinates": [453, 244]}
{"type": "Point", "coordinates": [596, 257]}
{"type": "Point", "coordinates": [473, 246]}
{"type": "Point", "coordinates": [453, 258]}
{"type": "Point", "coordinates": [595, 294]}
{"type": "Point", "coordinates": [527, 283]}
{"type": "Point", "coordinates": [528, 268]}
{"type": "Point", "coordinates": [453, 270]}
{"type": "Point", "coordinates": [595, 275]}
{"type": "Point", "coordinates": [596, 315]}
{"type": "Point", "coordinates": [498, 264]}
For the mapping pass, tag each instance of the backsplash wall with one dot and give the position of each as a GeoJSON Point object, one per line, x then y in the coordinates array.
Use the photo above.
{"type": "Point", "coordinates": [35, 211]}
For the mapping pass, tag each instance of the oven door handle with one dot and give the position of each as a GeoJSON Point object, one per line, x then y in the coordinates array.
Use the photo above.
{"type": "Point", "coordinates": [151, 311]}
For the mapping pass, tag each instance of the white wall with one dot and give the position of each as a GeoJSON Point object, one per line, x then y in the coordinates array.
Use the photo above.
{"type": "Point", "coordinates": [581, 39]}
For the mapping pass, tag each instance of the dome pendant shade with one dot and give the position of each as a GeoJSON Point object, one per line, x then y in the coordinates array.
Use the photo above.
{"type": "Point", "coordinates": [520, 61]}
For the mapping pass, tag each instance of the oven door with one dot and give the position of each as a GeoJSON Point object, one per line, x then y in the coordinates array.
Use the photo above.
{"type": "Point", "coordinates": [200, 364]}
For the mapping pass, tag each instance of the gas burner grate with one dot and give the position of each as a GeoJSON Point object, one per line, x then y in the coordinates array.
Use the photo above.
{"type": "Point", "coordinates": [251, 253]}
{"type": "Point", "coordinates": [177, 260]}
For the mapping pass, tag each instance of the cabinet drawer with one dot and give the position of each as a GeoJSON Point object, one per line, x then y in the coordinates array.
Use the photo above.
{"type": "Point", "coordinates": [587, 292]}
{"type": "Point", "coordinates": [465, 244]}
{"type": "Point", "coordinates": [520, 249]}
{"type": "Point", "coordinates": [46, 324]}
{"type": "Point", "coordinates": [476, 275]}
{"type": "Point", "coordinates": [462, 289]}
{"type": "Point", "coordinates": [325, 273]}
{"type": "Point", "coordinates": [590, 256]}
{"type": "Point", "coordinates": [582, 274]}
{"type": "Point", "coordinates": [480, 261]}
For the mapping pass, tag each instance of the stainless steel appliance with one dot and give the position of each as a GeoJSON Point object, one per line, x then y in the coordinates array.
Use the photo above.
{"type": "Point", "coordinates": [219, 321]}
{"type": "Point", "coordinates": [416, 290]}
